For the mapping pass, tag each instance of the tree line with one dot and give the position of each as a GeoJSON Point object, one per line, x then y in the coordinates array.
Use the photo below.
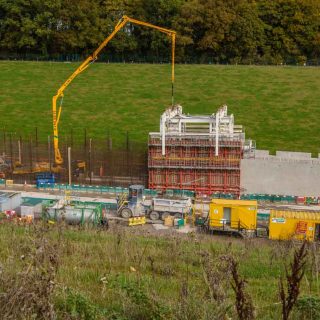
{"type": "Point", "coordinates": [208, 31]}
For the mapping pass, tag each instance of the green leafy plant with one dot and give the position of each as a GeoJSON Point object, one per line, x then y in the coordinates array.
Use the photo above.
{"type": "Point", "coordinates": [308, 307]}
{"type": "Point", "coordinates": [75, 305]}
{"type": "Point", "coordinates": [143, 305]}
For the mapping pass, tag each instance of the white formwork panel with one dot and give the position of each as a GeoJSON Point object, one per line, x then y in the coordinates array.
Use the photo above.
{"type": "Point", "coordinates": [27, 211]}
{"type": "Point", "coordinates": [31, 210]}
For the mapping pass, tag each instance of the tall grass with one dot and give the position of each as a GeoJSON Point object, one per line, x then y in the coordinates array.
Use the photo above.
{"type": "Point", "coordinates": [136, 273]}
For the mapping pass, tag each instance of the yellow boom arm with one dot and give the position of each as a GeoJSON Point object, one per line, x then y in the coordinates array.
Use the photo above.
{"type": "Point", "coordinates": [122, 22]}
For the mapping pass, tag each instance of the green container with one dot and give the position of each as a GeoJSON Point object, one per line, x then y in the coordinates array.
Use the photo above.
{"type": "Point", "coordinates": [199, 221]}
{"type": "Point", "coordinates": [180, 223]}
{"type": "Point", "coordinates": [263, 216]}
{"type": "Point", "coordinates": [169, 193]}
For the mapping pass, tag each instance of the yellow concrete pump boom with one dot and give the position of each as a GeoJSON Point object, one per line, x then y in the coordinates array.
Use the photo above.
{"type": "Point", "coordinates": [122, 22]}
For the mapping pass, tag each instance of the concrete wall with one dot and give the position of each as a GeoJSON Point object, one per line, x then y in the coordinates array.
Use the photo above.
{"type": "Point", "coordinates": [286, 173]}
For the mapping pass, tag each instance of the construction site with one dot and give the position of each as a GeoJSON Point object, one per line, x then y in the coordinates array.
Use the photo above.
{"type": "Point", "coordinates": [190, 177]}
{"type": "Point", "coordinates": [177, 174]}
{"type": "Point", "coordinates": [183, 217]}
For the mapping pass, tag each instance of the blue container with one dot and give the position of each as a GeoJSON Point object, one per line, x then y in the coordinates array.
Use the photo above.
{"type": "Point", "coordinates": [43, 179]}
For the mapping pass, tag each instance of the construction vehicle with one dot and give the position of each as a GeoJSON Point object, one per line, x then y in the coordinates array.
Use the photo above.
{"type": "Point", "coordinates": [78, 167]}
{"type": "Point", "coordinates": [92, 58]}
{"type": "Point", "coordinates": [4, 168]}
{"type": "Point", "coordinates": [8, 167]}
{"type": "Point", "coordinates": [156, 208]}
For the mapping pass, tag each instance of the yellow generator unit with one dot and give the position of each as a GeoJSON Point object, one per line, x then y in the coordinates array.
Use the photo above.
{"type": "Point", "coordinates": [294, 225]}
{"type": "Point", "coordinates": [233, 215]}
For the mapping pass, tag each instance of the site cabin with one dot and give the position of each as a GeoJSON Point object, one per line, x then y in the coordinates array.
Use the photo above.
{"type": "Point", "coordinates": [294, 225]}
{"type": "Point", "coordinates": [235, 216]}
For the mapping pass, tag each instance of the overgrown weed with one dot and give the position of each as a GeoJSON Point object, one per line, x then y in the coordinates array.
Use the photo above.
{"type": "Point", "coordinates": [27, 294]}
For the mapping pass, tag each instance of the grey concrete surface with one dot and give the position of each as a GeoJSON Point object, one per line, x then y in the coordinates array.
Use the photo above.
{"type": "Point", "coordinates": [284, 174]}
{"type": "Point", "coordinates": [293, 155]}
{"type": "Point", "coordinates": [262, 153]}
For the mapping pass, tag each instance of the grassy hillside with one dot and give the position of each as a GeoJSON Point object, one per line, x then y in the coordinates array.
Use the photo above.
{"type": "Point", "coordinates": [278, 106]}
{"type": "Point", "coordinates": [127, 273]}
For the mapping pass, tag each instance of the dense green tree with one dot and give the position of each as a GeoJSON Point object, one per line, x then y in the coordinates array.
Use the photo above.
{"type": "Point", "coordinates": [110, 13]}
{"type": "Point", "coordinates": [224, 31]}
{"type": "Point", "coordinates": [292, 26]}
{"type": "Point", "coordinates": [77, 26]}
{"type": "Point", "coordinates": [245, 41]}
{"type": "Point", "coordinates": [27, 25]}
{"type": "Point", "coordinates": [159, 12]}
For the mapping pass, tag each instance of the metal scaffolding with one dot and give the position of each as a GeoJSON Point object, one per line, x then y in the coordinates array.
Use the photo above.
{"type": "Point", "coordinates": [198, 153]}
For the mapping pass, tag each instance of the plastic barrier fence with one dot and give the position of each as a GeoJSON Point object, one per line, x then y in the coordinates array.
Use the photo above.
{"type": "Point", "coordinates": [285, 199]}
{"type": "Point", "coordinates": [137, 221]}
{"type": "Point", "coordinates": [106, 189]}
{"type": "Point", "coordinates": [82, 188]}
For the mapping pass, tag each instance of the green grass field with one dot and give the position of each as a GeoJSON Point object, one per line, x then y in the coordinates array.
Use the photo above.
{"type": "Point", "coordinates": [278, 106]}
{"type": "Point", "coordinates": [127, 273]}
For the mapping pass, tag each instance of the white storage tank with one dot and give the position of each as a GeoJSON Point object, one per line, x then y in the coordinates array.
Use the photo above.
{"type": "Point", "coordinates": [79, 213]}
{"type": "Point", "coordinates": [9, 200]}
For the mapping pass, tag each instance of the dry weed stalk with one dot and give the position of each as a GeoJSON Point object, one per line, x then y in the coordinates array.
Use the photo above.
{"type": "Point", "coordinates": [315, 263]}
{"type": "Point", "coordinates": [294, 278]}
{"type": "Point", "coordinates": [244, 305]}
{"type": "Point", "coordinates": [214, 277]}
{"type": "Point", "coordinates": [27, 294]}
{"type": "Point", "coordinates": [280, 251]}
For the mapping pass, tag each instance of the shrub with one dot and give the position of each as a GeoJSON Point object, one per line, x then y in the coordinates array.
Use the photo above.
{"type": "Point", "coordinates": [308, 307]}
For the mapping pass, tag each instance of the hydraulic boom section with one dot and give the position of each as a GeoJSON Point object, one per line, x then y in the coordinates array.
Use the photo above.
{"type": "Point", "coordinates": [122, 22]}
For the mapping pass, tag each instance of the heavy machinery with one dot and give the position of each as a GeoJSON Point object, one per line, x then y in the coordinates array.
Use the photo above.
{"type": "Point", "coordinates": [156, 208]}
{"type": "Point", "coordinates": [92, 58]}
{"type": "Point", "coordinates": [4, 168]}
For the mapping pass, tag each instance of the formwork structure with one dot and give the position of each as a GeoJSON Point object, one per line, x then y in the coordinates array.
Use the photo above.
{"type": "Point", "coordinates": [198, 153]}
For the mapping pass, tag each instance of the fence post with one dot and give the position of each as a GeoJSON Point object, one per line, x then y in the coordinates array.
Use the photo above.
{"type": "Point", "coordinates": [36, 148]}
{"type": "Point", "coordinates": [30, 151]}
{"type": "Point", "coordinates": [127, 140]}
{"type": "Point", "coordinates": [127, 153]}
{"type": "Point", "coordinates": [110, 143]}
{"type": "Point", "coordinates": [4, 141]}
{"type": "Point", "coordinates": [19, 151]}
{"type": "Point", "coordinates": [85, 139]}
{"type": "Point", "coordinates": [69, 165]}
{"type": "Point", "coordinates": [90, 165]}
{"type": "Point", "coordinates": [11, 155]}
{"type": "Point", "coordinates": [71, 134]}
{"type": "Point", "coordinates": [49, 152]}
{"type": "Point", "coordinates": [21, 146]}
